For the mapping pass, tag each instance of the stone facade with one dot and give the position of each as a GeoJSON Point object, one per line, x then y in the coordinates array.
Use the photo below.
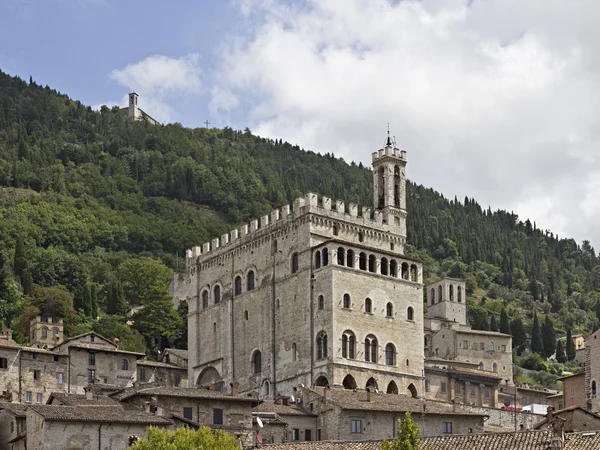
{"type": "Point", "coordinates": [592, 371]}
{"type": "Point", "coordinates": [12, 426]}
{"type": "Point", "coordinates": [45, 333]}
{"type": "Point", "coordinates": [167, 374]}
{"type": "Point", "coordinates": [573, 391]}
{"type": "Point", "coordinates": [313, 295]}
{"type": "Point", "coordinates": [575, 418]}
{"type": "Point", "coordinates": [298, 423]}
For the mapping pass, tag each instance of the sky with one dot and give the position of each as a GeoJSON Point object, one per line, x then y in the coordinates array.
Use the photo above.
{"type": "Point", "coordinates": [497, 100]}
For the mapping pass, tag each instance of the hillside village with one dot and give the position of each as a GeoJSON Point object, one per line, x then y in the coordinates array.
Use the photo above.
{"type": "Point", "coordinates": [311, 324]}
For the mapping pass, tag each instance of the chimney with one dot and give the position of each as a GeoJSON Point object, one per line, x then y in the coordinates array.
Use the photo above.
{"type": "Point", "coordinates": [235, 389]}
{"type": "Point", "coordinates": [7, 333]}
{"type": "Point", "coordinates": [160, 411]}
{"type": "Point", "coordinates": [116, 342]}
{"type": "Point", "coordinates": [368, 394]}
{"type": "Point", "coordinates": [549, 414]}
{"type": "Point", "coordinates": [89, 395]}
{"type": "Point", "coordinates": [285, 401]}
{"type": "Point", "coordinates": [147, 407]}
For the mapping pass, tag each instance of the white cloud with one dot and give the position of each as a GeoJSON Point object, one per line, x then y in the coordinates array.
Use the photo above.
{"type": "Point", "coordinates": [497, 99]}
{"type": "Point", "coordinates": [159, 79]}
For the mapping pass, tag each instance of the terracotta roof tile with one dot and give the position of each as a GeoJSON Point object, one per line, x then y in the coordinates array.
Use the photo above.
{"type": "Point", "coordinates": [282, 410]}
{"type": "Point", "coordinates": [126, 393]}
{"type": "Point", "coordinates": [17, 409]}
{"type": "Point", "coordinates": [81, 400]}
{"type": "Point", "coordinates": [111, 414]}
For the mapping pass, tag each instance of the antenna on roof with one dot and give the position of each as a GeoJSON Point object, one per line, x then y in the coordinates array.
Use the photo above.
{"type": "Point", "coordinates": [259, 422]}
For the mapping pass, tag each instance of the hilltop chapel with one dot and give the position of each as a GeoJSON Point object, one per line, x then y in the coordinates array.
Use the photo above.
{"type": "Point", "coordinates": [316, 294]}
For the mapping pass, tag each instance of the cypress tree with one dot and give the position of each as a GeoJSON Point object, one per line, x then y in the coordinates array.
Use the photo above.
{"type": "Point", "coordinates": [504, 323]}
{"type": "Point", "coordinates": [116, 302]}
{"type": "Point", "coordinates": [598, 310]}
{"type": "Point", "coordinates": [570, 346]}
{"type": "Point", "coordinates": [20, 264]}
{"type": "Point", "coordinates": [87, 299]}
{"type": "Point", "coordinates": [548, 337]}
{"type": "Point", "coordinates": [537, 344]}
{"type": "Point", "coordinates": [94, 306]}
{"type": "Point", "coordinates": [493, 323]}
{"type": "Point", "coordinates": [519, 335]}
{"type": "Point", "coordinates": [560, 352]}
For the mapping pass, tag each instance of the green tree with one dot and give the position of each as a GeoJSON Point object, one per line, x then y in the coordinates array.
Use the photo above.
{"type": "Point", "coordinates": [537, 344]}
{"type": "Point", "coordinates": [479, 318]}
{"type": "Point", "coordinates": [560, 352]}
{"type": "Point", "coordinates": [570, 346]}
{"type": "Point", "coordinates": [598, 310]}
{"type": "Point", "coordinates": [116, 301]}
{"type": "Point", "coordinates": [184, 438]}
{"type": "Point", "coordinates": [548, 337]}
{"type": "Point", "coordinates": [519, 337]}
{"type": "Point", "coordinates": [94, 306]}
{"type": "Point", "coordinates": [158, 321]}
{"type": "Point", "coordinates": [21, 267]}
{"type": "Point", "coordinates": [142, 278]}
{"type": "Point", "coordinates": [408, 435]}
{"type": "Point", "coordinates": [504, 323]}
{"type": "Point", "coordinates": [493, 323]}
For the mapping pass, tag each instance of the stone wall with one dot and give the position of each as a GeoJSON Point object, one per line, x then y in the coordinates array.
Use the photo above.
{"type": "Point", "coordinates": [505, 419]}
{"type": "Point", "coordinates": [46, 366]}
{"type": "Point", "coordinates": [108, 367]}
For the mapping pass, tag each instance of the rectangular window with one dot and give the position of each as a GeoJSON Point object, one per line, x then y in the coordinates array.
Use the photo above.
{"type": "Point", "coordinates": [3, 363]}
{"type": "Point", "coordinates": [481, 346]}
{"type": "Point", "coordinates": [356, 426]}
{"type": "Point", "coordinates": [187, 412]}
{"type": "Point", "coordinates": [59, 377]}
{"type": "Point", "coordinates": [572, 392]}
{"type": "Point", "coordinates": [486, 393]}
{"type": "Point", "coordinates": [142, 374]}
{"type": "Point", "coordinates": [37, 375]}
{"type": "Point", "coordinates": [295, 434]}
{"type": "Point", "coordinates": [91, 375]}
{"type": "Point", "coordinates": [447, 427]}
{"type": "Point", "coordinates": [443, 386]}
{"type": "Point", "coordinates": [472, 392]}
{"type": "Point", "coordinates": [307, 435]}
{"type": "Point", "coordinates": [56, 358]}
{"type": "Point", "coordinates": [177, 380]}
{"type": "Point", "coordinates": [458, 388]}
{"type": "Point", "coordinates": [319, 434]}
{"type": "Point", "coordinates": [38, 398]}
{"type": "Point", "coordinates": [504, 348]}
{"type": "Point", "coordinates": [217, 416]}
{"type": "Point", "coordinates": [466, 345]}
{"type": "Point", "coordinates": [426, 385]}
{"type": "Point", "coordinates": [28, 397]}
{"type": "Point", "coordinates": [91, 359]}
{"type": "Point", "coordinates": [31, 355]}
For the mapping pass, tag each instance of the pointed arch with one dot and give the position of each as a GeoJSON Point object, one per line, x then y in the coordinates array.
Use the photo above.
{"type": "Point", "coordinates": [392, 388]}
{"type": "Point", "coordinates": [404, 271]}
{"type": "Point", "coordinates": [371, 384]}
{"type": "Point", "coordinates": [317, 259]}
{"type": "Point", "coordinates": [459, 294]}
{"type": "Point", "coordinates": [432, 296]}
{"type": "Point", "coordinates": [250, 281]}
{"type": "Point", "coordinates": [322, 381]}
{"type": "Point", "coordinates": [349, 382]}
{"type": "Point", "coordinates": [208, 376]}
{"type": "Point", "coordinates": [440, 293]}
{"type": "Point", "coordinates": [390, 354]}
{"type": "Point", "coordinates": [412, 390]}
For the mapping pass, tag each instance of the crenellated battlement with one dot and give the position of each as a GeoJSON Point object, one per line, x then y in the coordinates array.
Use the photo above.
{"type": "Point", "coordinates": [311, 203]}
{"type": "Point", "coordinates": [389, 151]}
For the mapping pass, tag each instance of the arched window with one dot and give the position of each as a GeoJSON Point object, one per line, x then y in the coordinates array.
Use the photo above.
{"type": "Point", "coordinates": [459, 294]}
{"type": "Point", "coordinates": [397, 186]}
{"type": "Point", "coordinates": [384, 266]}
{"type": "Point", "coordinates": [404, 269]}
{"type": "Point", "coordinates": [410, 313]}
{"type": "Point", "coordinates": [54, 331]}
{"type": "Point", "coordinates": [594, 387]}
{"type": "Point", "coordinates": [217, 294]}
{"type": "Point", "coordinates": [392, 388]}
{"type": "Point", "coordinates": [389, 310]}
{"type": "Point", "coordinates": [432, 296]}
{"type": "Point", "coordinates": [321, 303]}
{"type": "Point", "coordinates": [371, 348]}
{"type": "Point", "coordinates": [495, 367]}
{"type": "Point", "coordinates": [390, 355]}
{"type": "Point", "coordinates": [238, 286]}
{"type": "Point", "coordinates": [294, 262]}
{"type": "Point", "coordinates": [362, 261]}
{"type": "Point", "coordinates": [361, 236]}
{"type": "Point", "coordinates": [350, 258]}
{"type": "Point", "coordinates": [246, 315]}
{"type": "Point", "coordinates": [44, 332]}
{"type": "Point", "coordinates": [317, 259]}
{"type": "Point", "coordinates": [372, 263]}
{"type": "Point", "coordinates": [256, 362]}
{"type": "Point", "coordinates": [322, 345]}
{"type": "Point", "coordinates": [336, 231]}
{"type": "Point", "coordinates": [381, 179]}
{"type": "Point", "coordinates": [349, 382]}
{"type": "Point", "coordinates": [124, 364]}
{"type": "Point", "coordinates": [492, 347]}
{"type": "Point", "coordinates": [451, 288]}
{"type": "Point", "coordinates": [325, 256]}
{"type": "Point", "coordinates": [348, 345]}
{"type": "Point", "coordinates": [393, 268]}
{"type": "Point", "coordinates": [439, 294]}
{"type": "Point", "coordinates": [413, 272]}
{"type": "Point", "coordinates": [480, 366]}
{"type": "Point", "coordinates": [368, 305]}
{"type": "Point", "coordinates": [340, 256]}
{"type": "Point", "coordinates": [250, 281]}
{"type": "Point", "coordinates": [346, 303]}
{"type": "Point", "coordinates": [294, 351]}
{"type": "Point", "coordinates": [204, 299]}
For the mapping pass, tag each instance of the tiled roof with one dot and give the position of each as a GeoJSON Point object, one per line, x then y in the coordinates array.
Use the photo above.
{"type": "Point", "coordinates": [6, 343]}
{"type": "Point", "coordinates": [183, 354]}
{"type": "Point", "coordinates": [482, 332]}
{"type": "Point", "coordinates": [72, 338]}
{"type": "Point", "coordinates": [81, 400]}
{"type": "Point", "coordinates": [572, 375]}
{"type": "Point", "coordinates": [348, 399]}
{"type": "Point", "coordinates": [282, 410]}
{"type": "Point", "coordinates": [146, 362]}
{"type": "Point", "coordinates": [179, 392]}
{"type": "Point", "coordinates": [565, 410]}
{"type": "Point", "coordinates": [17, 409]}
{"type": "Point", "coordinates": [525, 440]}
{"type": "Point", "coordinates": [97, 414]}
{"type": "Point", "coordinates": [465, 370]}
{"type": "Point", "coordinates": [100, 348]}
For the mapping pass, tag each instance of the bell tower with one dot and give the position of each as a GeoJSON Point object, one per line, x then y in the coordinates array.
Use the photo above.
{"type": "Point", "coordinates": [389, 185]}
{"type": "Point", "coordinates": [133, 106]}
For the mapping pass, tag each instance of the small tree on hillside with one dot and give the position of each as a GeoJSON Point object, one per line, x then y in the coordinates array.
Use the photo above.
{"type": "Point", "coordinates": [537, 344]}
{"type": "Point", "coordinates": [185, 439]}
{"type": "Point", "coordinates": [570, 346]}
{"type": "Point", "coordinates": [504, 323]}
{"type": "Point", "coordinates": [493, 324]}
{"type": "Point", "coordinates": [560, 352]}
{"type": "Point", "coordinates": [408, 435]}
{"type": "Point", "coordinates": [548, 337]}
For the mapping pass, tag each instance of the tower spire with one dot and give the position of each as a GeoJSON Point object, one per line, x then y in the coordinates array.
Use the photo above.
{"type": "Point", "coordinates": [389, 139]}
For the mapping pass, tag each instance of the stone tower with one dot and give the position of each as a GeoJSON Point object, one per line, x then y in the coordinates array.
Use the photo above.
{"type": "Point", "coordinates": [44, 332]}
{"type": "Point", "coordinates": [389, 185]}
{"type": "Point", "coordinates": [133, 106]}
{"type": "Point", "coordinates": [446, 300]}
{"type": "Point", "coordinates": [316, 293]}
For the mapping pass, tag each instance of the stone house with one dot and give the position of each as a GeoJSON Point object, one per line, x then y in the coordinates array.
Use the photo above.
{"type": "Point", "coordinates": [52, 427]}
{"type": "Point", "coordinates": [362, 415]}
{"type": "Point", "coordinates": [448, 336]}
{"type": "Point", "coordinates": [298, 423]}
{"type": "Point", "coordinates": [573, 393]}
{"type": "Point", "coordinates": [556, 401]}
{"type": "Point", "coordinates": [317, 294]}
{"type": "Point", "coordinates": [161, 372]}
{"type": "Point", "coordinates": [525, 395]}
{"type": "Point", "coordinates": [95, 359]}
{"type": "Point", "coordinates": [592, 371]}
{"type": "Point", "coordinates": [230, 412]}
{"type": "Point", "coordinates": [575, 418]}
{"type": "Point", "coordinates": [176, 357]}
{"type": "Point", "coordinates": [456, 382]}
{"type": "Point", "coordinates": [13, 426]}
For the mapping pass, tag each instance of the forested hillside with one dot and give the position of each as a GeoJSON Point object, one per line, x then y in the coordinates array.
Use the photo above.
{"type": "Point", "coordinates": [88, 199]}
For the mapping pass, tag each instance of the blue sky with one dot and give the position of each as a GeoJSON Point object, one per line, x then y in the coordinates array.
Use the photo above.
{"type": "Point", "coordinates": [493, 99]}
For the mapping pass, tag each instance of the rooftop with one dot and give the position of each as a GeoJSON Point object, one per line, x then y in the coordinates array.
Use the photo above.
{"type": "Point", "coordinates": [147, 362]}
{"type": "Point", "coordinates": [98, 414]}
{"type": "Point", "coordinates": [130, 392]}
{"type": "Point", "coordinates": [282, 410]}
{"type": "Point", "coordinates": [17, 409]}
{"type": "Point", "coordinates": [81, 400]}
{"type": "Point", "coordinates": [183, 354]}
